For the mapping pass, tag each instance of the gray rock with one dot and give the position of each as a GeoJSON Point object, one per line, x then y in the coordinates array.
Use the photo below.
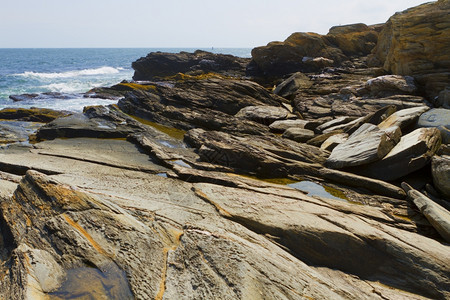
{"type": "Point", "coordinates": [264, 114]}
{"type": "Point", "coordinates": [391, 84]}
{"type": "Point", "coordinates": [403, 118]}
{"type": "Point", "coordinates": [443, 99]}
{"type": "Point", "coordinates": [282, 125]}
{"type": "Point", "coordinates": [365, 145]}
{"type": "Point", "coordinates": [439, 118]}
{"type": "Point", "coordinates": [330, 143]}
{"type": "Point", "coordinates": [412, 153]}
{"type": "Point", "coordinates": [290, 86]}
{"type": "Point", "coordinates": [440, 170]}
{"type": "Point", "coordinates": [298, 134]}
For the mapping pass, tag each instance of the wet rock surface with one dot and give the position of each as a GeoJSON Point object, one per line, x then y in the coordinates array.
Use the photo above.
{"type": "Point", "coordinates": [200, 184]}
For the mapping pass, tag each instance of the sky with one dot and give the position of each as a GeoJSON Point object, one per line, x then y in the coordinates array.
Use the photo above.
{"type": "Point", "coordinates": [179, 23]}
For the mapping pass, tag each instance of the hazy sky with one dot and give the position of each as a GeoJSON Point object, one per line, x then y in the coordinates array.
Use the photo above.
{"type": "Point", "coordinates": [179, 23]}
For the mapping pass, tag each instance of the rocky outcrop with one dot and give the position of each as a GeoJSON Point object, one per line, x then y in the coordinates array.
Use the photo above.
{"type": "Point", "coordinates": [42, 115]}
{"type": "Point", "coordinates": [201, 185]}
{"type": "Point", "coordinates": [309, 52]}
{"type": "Point", "coordinates": [415, 43]}
{"type": "Point", "coordinates": [157, 65]}
{"type": "Point", "coordinates": [209, 103]}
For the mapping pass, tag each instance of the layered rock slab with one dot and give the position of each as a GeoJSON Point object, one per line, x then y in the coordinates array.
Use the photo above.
{"type": "Point", "coordinates": [412, 153]}
{"type": "Point", "coordinates": [365, 145]}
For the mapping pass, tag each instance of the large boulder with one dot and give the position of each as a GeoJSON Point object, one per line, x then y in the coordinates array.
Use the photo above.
{"type": "Point", "coordinates": [440, 169]}
{"type": "Point", "coordinates": [162, 64]}
{"type": "Point", "coordinates": [391, 85]}
{"type": "Point", "coordinates": [412, 153]}
{"type": "Point", "coordinates": [415, 42]}
{"type": "Point", "coordinates": [365, 145]}
{"type": "Point", "coordinates": [438, 118]}
{"type": "Point", "coordinates": [354, 39]}
{"type": "Point", "coordinates": [281, 58]}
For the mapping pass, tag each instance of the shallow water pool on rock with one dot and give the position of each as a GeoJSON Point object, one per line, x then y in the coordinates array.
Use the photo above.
{"type": "Point", "coordinates": [92, 283]}
{"type": "Point", "coordinates": [315, 189]}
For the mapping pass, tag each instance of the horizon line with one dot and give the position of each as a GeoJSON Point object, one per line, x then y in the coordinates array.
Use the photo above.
{"type": "Point", "coordinates": [152, 47]}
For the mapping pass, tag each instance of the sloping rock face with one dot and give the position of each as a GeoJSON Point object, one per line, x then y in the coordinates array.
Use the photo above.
{"type": "Point", "coordinates": [202, 241]}
{"type": "Point", "coordinates": [415, 42]}
{"type": "Point", "coordinates": [209, 103]}
{"type": "Point", "coordinates": [160, 64]}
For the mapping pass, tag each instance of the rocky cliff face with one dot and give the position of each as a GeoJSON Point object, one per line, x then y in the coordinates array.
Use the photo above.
{"type": "Point", "coordinates": [416, 42]}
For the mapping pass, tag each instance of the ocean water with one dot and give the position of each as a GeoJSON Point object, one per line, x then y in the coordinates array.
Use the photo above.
{"type": "Point", "coordinates": [72, 71]}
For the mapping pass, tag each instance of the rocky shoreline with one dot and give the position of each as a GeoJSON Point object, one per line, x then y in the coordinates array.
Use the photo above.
{"type": "Point", "coordinates": [319, 168]}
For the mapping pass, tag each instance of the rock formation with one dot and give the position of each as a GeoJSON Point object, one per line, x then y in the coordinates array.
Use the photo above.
{"type": "Point", "coordinates": [203, 184]}
{"type": "Point", "coordinates": [415, 42]}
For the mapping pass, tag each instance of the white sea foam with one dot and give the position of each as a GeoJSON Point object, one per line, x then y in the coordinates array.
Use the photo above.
{"type": "Point", "coordinates": [69, 74]}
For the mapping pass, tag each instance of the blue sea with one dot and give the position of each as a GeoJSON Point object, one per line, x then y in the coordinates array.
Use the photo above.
{"type": "Point", "coordinates": [71, 72]}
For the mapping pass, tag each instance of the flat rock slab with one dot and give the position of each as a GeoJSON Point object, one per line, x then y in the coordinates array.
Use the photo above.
{"type": "Point", "coordinates": [298, 134]}
{"type": "Point", "coordinates": [109, 152]}
{"type": "Point", "coordinates": [439, 118]}
{"type": "Point", "coordinates": [366, 145]}
{"type": "Point", "coordinates": [412, 153]}
{"type": "Point", "coordinates": [282, 125]}
{"type": "Point", "coordinates": [264, 114]}
{"type": "Point", "coordinates": [78, 156]}
{"type": "Point", "coordinates": [404, 118]}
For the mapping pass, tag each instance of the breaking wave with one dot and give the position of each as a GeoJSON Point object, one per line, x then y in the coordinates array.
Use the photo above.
{"type": "Point", "coordinates": [69, 74]}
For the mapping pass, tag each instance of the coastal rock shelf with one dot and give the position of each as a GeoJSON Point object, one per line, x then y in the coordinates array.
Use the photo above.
{"type": "Point", "coordinates": [306, 172]}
